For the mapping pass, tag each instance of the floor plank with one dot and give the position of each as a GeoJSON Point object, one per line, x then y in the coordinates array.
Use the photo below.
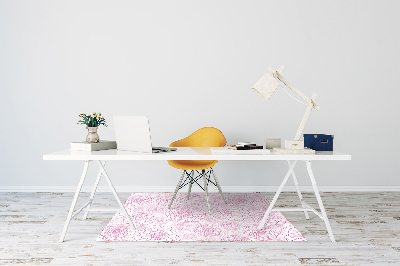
{"type": "Point", "coordinates": [366, 226]}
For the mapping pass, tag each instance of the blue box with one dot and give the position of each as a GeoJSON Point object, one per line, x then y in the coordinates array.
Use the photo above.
{"type": "Point", "coordinates": [318, 142]}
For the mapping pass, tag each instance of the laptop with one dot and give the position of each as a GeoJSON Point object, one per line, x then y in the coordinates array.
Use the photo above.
{"type": "Point", "coordinates": [133, 134]}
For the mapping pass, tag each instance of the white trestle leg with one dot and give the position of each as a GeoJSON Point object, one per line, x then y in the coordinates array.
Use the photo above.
{"type": "Point", "coordinates": [116, 196]}
{"type": "Point", "coordinates": [93, 192]}
{"type": "Point", "coordinates": [305, 207]}
{"type": "Point", "coordinates": [86, 207]}
{"type": "Point", "coordinates": [71, 209]}
{"type": "Point", "coordinates": [299, 192]}
{"type": "Point", "coordinates": [321, 205]}
{"type": "Point", "coordinates": [271, 205]}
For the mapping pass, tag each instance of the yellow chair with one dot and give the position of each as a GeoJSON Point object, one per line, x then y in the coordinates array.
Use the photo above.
{"type": "Point", "coordinates": [204, 137]}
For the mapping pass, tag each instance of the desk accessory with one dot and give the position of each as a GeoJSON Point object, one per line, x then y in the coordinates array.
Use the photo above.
{"type": "Point", "coordinates": [266, 86]}
{"type": "Point", "coordinates": [92, 123]}
{"type": "Point", "coordinates": [271, 143]}
{"type": "Point", "coordinates": [244, 147]}
{"type": "Point", "coordinates": [98, 146]}
{"type": "Point", "coordinates": [244, 144]}
{"type": "Point", "coordinates": [163, 149]}
{"type": "Point", "coordinates": [319, 142]}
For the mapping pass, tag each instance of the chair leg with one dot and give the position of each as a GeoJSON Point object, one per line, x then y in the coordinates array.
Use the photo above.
{"type": "Point", "coordinates": [190, 184]}
{"type": "Point", "coordinates": [219, 188]}
{"type": "Point", "coordinates": [176, 190]}
{"type": "Point", "coordinates": [206, 190]}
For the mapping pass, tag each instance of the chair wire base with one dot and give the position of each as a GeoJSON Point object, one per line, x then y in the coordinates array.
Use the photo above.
{"type": "Point", "coordinates": [190, 179]}
{"type": "Point", "coordinates": [193, 176]}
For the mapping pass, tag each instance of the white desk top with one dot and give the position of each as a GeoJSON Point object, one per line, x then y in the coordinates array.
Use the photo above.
{"type": "Point", "coordinates": [186, 153]}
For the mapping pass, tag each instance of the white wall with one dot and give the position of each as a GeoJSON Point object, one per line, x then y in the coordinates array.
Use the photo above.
{"type": "Point", "coordinates": [190, 64]}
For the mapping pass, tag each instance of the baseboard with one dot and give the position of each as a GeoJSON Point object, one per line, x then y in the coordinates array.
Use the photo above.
{"type": "Point", "coordinates": [195, 189]}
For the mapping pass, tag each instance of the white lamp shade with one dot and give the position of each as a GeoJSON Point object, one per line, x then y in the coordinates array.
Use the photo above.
{"type": "Point", "coordinates": [266, 86]}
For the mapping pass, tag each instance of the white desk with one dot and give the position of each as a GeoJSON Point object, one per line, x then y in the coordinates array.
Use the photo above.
{"type": "Point", "coordinates": [194, 154]}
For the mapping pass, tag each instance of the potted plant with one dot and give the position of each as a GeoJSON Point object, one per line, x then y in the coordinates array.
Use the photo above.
{"type": "Point", "coordinates": [92, 123]}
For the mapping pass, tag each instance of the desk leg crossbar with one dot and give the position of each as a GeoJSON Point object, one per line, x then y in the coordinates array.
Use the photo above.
{"type": "Point", "coordinates": [86, 207]}
{"type": "Point", "coordinates": [305, 206]}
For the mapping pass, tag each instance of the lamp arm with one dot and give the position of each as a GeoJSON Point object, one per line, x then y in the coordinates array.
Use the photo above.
{"type": "Point", "coordinates": [311, 102]}
{"type": "Point", "coordinates": [293, 88]}
{"type": "Point", "coordinates": [305, 117]}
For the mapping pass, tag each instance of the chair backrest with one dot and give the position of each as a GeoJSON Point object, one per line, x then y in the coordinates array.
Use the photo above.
{"type": "Point", "coordinates": [204, 137]}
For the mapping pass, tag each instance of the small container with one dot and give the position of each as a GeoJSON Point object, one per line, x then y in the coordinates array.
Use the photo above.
{"type": "Point", "coordinates": [319, 142]}
{"type": "Point", "coordinates": [271, 143]}
{"type": "Point", "coordinates": [294, 144]}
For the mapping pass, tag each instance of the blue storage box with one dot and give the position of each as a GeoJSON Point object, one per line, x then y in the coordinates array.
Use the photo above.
{"type": "Point", "coordinates": [318, 142]}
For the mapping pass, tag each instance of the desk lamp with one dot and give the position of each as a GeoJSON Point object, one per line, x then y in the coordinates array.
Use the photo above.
{"type": "Point", "coordinates": [266, 86]}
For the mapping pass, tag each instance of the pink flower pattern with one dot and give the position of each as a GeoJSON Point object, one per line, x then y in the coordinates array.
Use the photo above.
{"type": "Point", "coordinates": [189, 220]}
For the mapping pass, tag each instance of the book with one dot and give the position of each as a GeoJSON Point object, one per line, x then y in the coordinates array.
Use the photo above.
{"type": "Point", "coordinates": [236, 147]}
{"type": "Point", "coordinates": [86, 146]}
{"type": "Point", "coordinates": [244, 144]}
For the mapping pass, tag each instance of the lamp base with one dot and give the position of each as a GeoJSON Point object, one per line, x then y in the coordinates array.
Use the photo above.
{"type": "Point", "coordinates": [293, 151]}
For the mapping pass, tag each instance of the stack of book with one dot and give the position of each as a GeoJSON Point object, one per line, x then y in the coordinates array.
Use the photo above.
{"type": "Point", "coordinates": [245, 146]}
{"type": "Point", "coordinates": [241, 148]}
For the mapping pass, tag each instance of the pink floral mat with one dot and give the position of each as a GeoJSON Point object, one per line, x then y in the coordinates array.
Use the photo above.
{"type": "Point", "coordinates": [189, 220]}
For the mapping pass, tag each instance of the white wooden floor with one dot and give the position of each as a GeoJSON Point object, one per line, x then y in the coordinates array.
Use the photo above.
{"type": "Point", "coordinates": [366, 226]}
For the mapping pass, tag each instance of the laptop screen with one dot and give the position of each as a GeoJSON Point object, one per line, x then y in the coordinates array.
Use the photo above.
{"type": "Point", "coordinates": [132, 133]}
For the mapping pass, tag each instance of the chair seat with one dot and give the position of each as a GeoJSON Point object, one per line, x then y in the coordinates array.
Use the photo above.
{"type": "Point", "coordinates": [192, 164]}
